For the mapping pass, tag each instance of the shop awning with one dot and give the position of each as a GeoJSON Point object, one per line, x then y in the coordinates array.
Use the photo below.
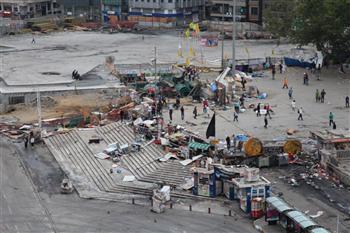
{"type": "Point", "coordinates": [279, 204]}
{"type": "Point", "coordinates": [198, 146]}
{"type": "Point", "coordinates": [301, 219]}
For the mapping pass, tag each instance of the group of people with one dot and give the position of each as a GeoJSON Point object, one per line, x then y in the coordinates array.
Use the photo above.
{"type": "Point", "coordinates": [236, 146]}
{"type": "Point", "coordinates": [190, 73]}
{"type": "Point", "coordinates": [281, 67]}
{"type": "Point", "coordinates": [205, 104]}
{"type": "Point", "coordinates": [29, 139]}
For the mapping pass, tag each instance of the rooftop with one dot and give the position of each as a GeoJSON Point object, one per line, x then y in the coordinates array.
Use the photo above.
{"type": "Point", "coordinates": [242, 183]}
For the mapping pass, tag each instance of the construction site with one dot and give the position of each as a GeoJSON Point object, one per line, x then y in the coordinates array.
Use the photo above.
{"type": "Point", "coordinates": [156, 119]}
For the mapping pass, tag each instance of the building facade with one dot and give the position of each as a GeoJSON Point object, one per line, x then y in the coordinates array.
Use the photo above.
{"type": "Point", "coordinates": [111, 8]}
{"type": "Point", "coordinates": [26, 9]}
{"type": "Point", "coordinates": [166, 12]}
{"type": "Point", "coordinates": [246, 10]}
{"type": "Point", "coordinates": [89, 9]}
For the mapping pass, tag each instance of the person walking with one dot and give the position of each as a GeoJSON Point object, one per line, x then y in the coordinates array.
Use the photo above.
{"type": "Point", "coordinates": [284, 68]}
{"type": "Point", "coordinates": [347, 101]}
{"type": "Point", "coordinates": [331, 118]}
{"type": "Point", "coordinates": [195, 112]}
{"type": "Point", "coordinates": [234, 142]}
{"type": "Point", "coordinates": [33, 41]}
{"type": "Point", "coordinates": [300, 112]}
{"type": "Point", "coordinates": [290, 93]}
{"type": "Point", "coordinates": [323, 94]}
{"type": "Point", "coordinates": [235, 116]}
{"type": "Point", "coordinates": [25, 141]}
{"type": "Point", "coordinates": [281, 67]}
{"type": "Point", "coordinates": [318, 72]}
{"type": "Point", "coordinates": [258, 110]}
{"type": "Point", "coordinates": [32, 140]}
{"type": "Point", "coordinates": [306, 79]}
{"type": "Point", "coordinates": [285, 83]}
{"type": "Point", "coordinates": [268, 111]}
{"type": "Point", "coordinates": [177, 106]}
{"type": "Point", "coordinates": [205, 106]}
{"type": "Point", "coordinates": [228, 142]}
{"type": "Point", "coordinates": [293, 105]}
{"type": "Point", "coordinates": [243, 82]}
{"type": "Point", "coordinates": [182, 110]}
{"type": "Point", "coordinates": [273, 71]}
{"type": "Point", "coordinates": [317, 96]}
{"type": "Point", "coordinates": [265, 121]}
{"type": "Point", "coordinates": [171, 112]}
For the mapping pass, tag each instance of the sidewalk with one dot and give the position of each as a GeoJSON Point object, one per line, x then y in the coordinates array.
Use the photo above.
{"type": "Point", "coordinates": [264, 227]}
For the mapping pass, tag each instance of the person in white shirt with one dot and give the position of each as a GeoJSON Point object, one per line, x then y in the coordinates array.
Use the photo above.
{"type": "Point", "coordinates": [293, 105]}
{"type": "Point", "coordinates": [300, 112]}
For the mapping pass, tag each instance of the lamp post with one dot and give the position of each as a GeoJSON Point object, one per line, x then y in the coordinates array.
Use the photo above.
{"type": "Point", "coordinates": [233, 37]}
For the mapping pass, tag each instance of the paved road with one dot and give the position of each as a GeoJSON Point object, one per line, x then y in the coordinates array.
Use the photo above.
{"type": "Point", "coordinates": [22, 212]}
{"type": "Point", "coordinates": [73, 214]}
{"type": "Point", "coordinates": [20, 209]}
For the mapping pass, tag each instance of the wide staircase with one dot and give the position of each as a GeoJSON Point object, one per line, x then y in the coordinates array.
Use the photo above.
{"type": "Point", "coordinates": [77, 160]}
{"type": "Point", "coordinates": [144, 164]}
{"type": "Point", "coordinates": [71, 148]}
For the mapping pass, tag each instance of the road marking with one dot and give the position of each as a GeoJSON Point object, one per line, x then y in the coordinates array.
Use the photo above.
{"type": "Point", "coordinates": [16, 228]}
{"type": "Point", "coordinates": [10, 210]}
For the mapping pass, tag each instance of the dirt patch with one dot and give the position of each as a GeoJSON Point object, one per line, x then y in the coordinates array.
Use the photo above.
{"type": "Point", "coordinates": [60, 106]}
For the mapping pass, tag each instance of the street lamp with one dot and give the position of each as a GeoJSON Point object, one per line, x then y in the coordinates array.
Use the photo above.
{"type": "Point", "coordinates": [233, 38]}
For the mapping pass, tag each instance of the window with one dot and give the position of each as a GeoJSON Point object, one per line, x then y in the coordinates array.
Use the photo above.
{"type": "Point", "coordinates": [161, 1]}
{"type": "Point", "coordinates": [154, 0]}
{"type": "Point", "coordinates": [147, 0]}
{"type": "Point", "coordinates": [16, 100]}
{"type": "Point", "coordinates": [170, 1]}
{"type": "Point", "coordinates": [254, 11]}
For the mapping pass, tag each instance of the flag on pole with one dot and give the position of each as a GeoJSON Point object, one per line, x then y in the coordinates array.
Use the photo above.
{"type": "Point", "coordinates": [188, 61]}
{"type": "Point", "coordinates": [211, 127]}
{"type": "Point", "coordinates": [187, 33]}
{"type": "Point", "coordinates": [197, 28]}
{"type": "Point", "coordinates": [179, 51]}
{"type": "Point", "coordinates": [191, 51]}
{"type": "Point", "coordinates": [192, 25]}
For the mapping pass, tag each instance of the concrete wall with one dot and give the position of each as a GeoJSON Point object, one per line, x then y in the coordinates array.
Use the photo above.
{"type": "Point", "coordinates": [227, 26]}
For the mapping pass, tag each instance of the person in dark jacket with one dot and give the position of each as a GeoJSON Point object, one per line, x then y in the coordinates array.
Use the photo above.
{"type": "Point", "coordinates": [195, 112]}
{"type": "Point", "coordinates": [266, 122]}
{"type": "Point", "coordinates": [228, 142]}
{"type": "Point", "coordinates": [182, 110]}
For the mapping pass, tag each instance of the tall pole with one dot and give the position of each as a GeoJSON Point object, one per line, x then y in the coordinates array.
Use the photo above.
{"type": "Point", "coordinates": [338, 223]}
{"type": "Point", "coordinates": [222, 50]}
{"type": "Point", "coordinates": [234, 37]}
{"type": "Point", "coordinates": [155, 61]}
{"type": "Point", "coordinates": [38, 102]}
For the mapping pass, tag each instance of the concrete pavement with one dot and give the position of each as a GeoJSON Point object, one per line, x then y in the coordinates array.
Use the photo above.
{"type": "Point", "coordinates": [21, 210]}
{"type": "Point", "coordinates": [24, 210]}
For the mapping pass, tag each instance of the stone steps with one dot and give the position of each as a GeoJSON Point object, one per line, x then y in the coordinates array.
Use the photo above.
{"type": "Point", "coordinates": [61, 143]}
{"type": "Point", "coordinates": [144, 164]}
{"type": "Point", "coordinates": [72, 149]}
